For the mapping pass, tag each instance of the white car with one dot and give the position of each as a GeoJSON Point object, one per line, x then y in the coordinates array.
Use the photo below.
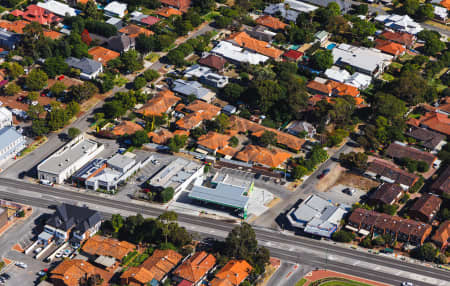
{"type": "Point", "coordinates": [58, 255]}
{"type": "Point", "coordinates": [21, 265]}
{"type": "Point", "coordinates": [407, 284]}
{"type": "Point", "coordinates": [37, 250]}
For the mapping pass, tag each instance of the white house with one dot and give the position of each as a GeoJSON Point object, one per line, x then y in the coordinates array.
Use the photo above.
{"type": "Point", "coordinates": [358, 80]}
{"type": "Point", "coordinates": [5, 117]}
{"type": "Point", "coordinates": [58, 8]}
{"type": "Point", "coordinates": [89, 69]}
{"type": "Point", "coordinates": [295, 8]}
{"type": "Point", "coordinates": [401, 23]}
{"type": "Point", "coordinates": [11, 143]}
{"type": "Point", "coordinates": [237, 54]}
{"type": "Point", "coordinates": [206, 76]}
{"type": "Point", "coordinates": [65, 162]}
{"type": "Point", "coordinates": [115, 9]}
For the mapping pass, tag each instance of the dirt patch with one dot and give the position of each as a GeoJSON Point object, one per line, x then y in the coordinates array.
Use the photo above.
{"type": "Point", "coordinates": [18, 248]}
{"type": "Point", "coordinates": [270, 270]}
{"type": "Point", "coordinates": [356, 181]}
{"type": "Point", "coordinates": [330, 179]}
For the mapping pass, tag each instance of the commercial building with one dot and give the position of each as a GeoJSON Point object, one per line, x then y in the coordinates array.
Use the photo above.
{"type": "Point", "coordinates": [425, 208]}
{"type": "Point", "coordinates": [11, 143]}
{"type": "Point", "coordinates": [224, 191]}
{"type": "Point", "coordinates": [115, 9]}
{"type": "Point", "coordinates": [404, 230]}
{"type": "Point", "coordinates": [387, 172]}
{"type": "Point", "coordinates": [368, 61]}
{"type": "Point", "coordinates": [66, 161]}
{"type": "Point", "coordinates": [316, 216]}
{"type": "Point", "coordinates": [70, 221]}
{"type": "Point", "coordinates": [5, 117]}
{"type": "Point", "coordinates": [178, 175]}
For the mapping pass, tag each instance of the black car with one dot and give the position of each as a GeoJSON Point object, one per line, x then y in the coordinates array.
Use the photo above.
{"type": "Point", "coordinates": [5, 276]}
{"type": "Point", "coordinates": [257, 175]}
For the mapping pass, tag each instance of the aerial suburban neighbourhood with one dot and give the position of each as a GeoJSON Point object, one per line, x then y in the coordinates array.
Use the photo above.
{"type": "Point", "coordinates": [224, 143]}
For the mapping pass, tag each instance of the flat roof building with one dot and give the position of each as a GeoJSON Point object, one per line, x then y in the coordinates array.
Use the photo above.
{"type": "Point", "coordinates": [11, 143]}
{"type": "Point", "coordinates": [238, 55]}
{"type": "Point", "coordinates": [66, 161]}
{"type": "Point", "coordinates": [178, 175]}
{"type": "Point", "coordinates": [5, 117]}
{"type": "Point", "coordinates": [224, 191]}
{"type": "Point", "coordinates": [317, 216]}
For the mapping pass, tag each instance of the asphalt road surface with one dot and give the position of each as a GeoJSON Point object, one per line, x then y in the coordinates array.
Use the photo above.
{"type": "Point", "coordinates": [286, 247]}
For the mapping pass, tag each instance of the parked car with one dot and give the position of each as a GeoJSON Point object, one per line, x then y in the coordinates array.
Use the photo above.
{"type": "Point", "coordinates": [324, 173]}
{"type": "Point", "coordinates": [42, 273]}
{"type": "Point", "coordinates": [58, 255]}
{"type": "Point", "coordinates": [45, 182]}
{"type": "Point", "coordinates": [37, 250]}
{"type": "Point", "coordinates": [21, 265]}
{"type": "Point", "coordinates": [406, 283]}
{"type": "Point", "coordinates": [5, 276]}
{"type": "Point", "coordinates": [2, 280]}
{"type": "Point", "coordinates": [348, 191]}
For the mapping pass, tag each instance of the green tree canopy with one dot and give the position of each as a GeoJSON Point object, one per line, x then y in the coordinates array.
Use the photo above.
{"type": "Point", "coordinates": [36, 80]}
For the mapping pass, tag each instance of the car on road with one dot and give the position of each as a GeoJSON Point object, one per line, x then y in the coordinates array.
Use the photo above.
{"type": "Point", "coordinates": [348, 191]}
{"type": "Point", "coordinates": [45, 182]}
{"type": "Point", "coordinates": [42, 273]}
{"type": "Point", "coordinates": [257, 175]}
{"type": "Point", "coordinates": [2, 280]}
{"type": "Point", "coordinates": [324, 173]}
{"type": "Point", "coordinates": [21, 265]}
{"type": "Point", "coordinates": [5, 276]}
{"type": "Point", "coordinates": [407, 283]}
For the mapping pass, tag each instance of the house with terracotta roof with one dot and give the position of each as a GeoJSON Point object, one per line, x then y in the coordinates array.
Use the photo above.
{"type": "Point", "coordinates": [213, 141]}
{"type": "Point", "coordinates": [442, 235]}
{"type": "Point", "coordinates": [388, 172]}
{"type": "Point", "coordinates": [213, 61]}
{"type": "Point", "coordinates": [52, 34]}
{"type": "Point", "coordinates": [233, 273]}
{"type": "Point", "coordinates": [425, 208]}
{"type": "Point", "coordinates": [182, 5]}
{"type": "Point", "coordinates": [195, 268]}
{"type": "Point", "coordinates": [162, 103]}
{"type": "Point", "coordinates": [401, 38]}
{"type": "Point", "coordinates": [386, 194]}
{"type": "Point", "coordinates": [126, 127]}
{"type": "Point", "coordinates": [436, 121]}
{"type": "Point", "coordinates": [403, 230]}
{"type": "Point", "coordinates": [161, 136]}
{"type": "Point", "coordinates": [331, 88]}
{"type": "Point", "coordinates": [197, 112]}
{"type": "Point", "coordinates": [243, 40]}
{"type": "Point", "coordinates": [292, 55]}
{"type": "Point", "coordinates": [391, 48]}
{"type": "Point", "coordinates": [76, 271]}
{"type": "Point", "coordinates": [166, 12]}
{"type": "Point", "coordinates": [271, 158]}
{"type": "Point", "coordinates": [103, 55]}
{"type": "Point", "coordinates": [446, 4]}
{"type": "Point", "coordinates": [154, 270]}
{"type": "Point", "coordinates": [271, 22]}
{"type": "Point", "coordinates": [442, 184]}
{"type": "Point", "coordinates": [34, 13]}
{"type": "Point", "coordinates": [98, 246]}
{"type": "Point", "coordinates": [133, 31]}
{"type": "Point", "coordinates": [399, 151]}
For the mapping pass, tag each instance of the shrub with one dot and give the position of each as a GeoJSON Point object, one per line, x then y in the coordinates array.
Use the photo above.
{"type": "Point", "coordinates": [343, 236]}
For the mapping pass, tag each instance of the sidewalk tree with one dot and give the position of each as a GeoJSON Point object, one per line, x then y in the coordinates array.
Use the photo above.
{"type": "Point", "coordinates": [117, 222]}
{"type": "Point", "coordinates": [73, 132]}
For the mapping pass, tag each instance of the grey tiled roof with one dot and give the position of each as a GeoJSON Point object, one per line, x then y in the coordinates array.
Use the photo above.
{"type": "Point", "coordinates": [86, 65]}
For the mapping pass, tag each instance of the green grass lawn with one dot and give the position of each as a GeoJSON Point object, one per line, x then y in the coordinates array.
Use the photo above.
{"type": "Point", "coordinates": [301, 282]}
{"type": "Point", "coordinates": [210, 16]}
{"type": "Point", "coordinates": [388, 77]}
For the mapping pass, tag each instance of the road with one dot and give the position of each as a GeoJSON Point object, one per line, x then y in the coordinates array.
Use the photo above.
{"type": "Point", "coordinates": [284, 246]}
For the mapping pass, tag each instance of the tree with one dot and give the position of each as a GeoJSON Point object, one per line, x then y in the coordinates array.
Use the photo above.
{"type": "Point", "coordinates": [39, 127]}
{"type": "Point", "coordinates": [117, 222]}
{"type": "Point", "coordinates": [410, 6]}
{"type": "Point", "coordinates": [177, 142]}
{"type": "Point", "coordinates": [427, 252]}
{"type": "Point", "coordinates": [411, 87]}
{"type": "Point", "coordinates": [299, 171]}
{"type": "Point", "coordinates": [58, 88]}
{"type": "Point", "coordinates": [343, 236]}
{"type": "Point", "coordinates": [12, 89]}
{"type": "Point", "coordinates": [389, 209]}
{"type": "Point", "coordinates": [362, 29]}
{"type": "Point", "coordinates": [433, 43]}
{"type": "Point", "coordinates": [342, 110]}
{"type": "Point", "coordinates": [322, 60]}
{"type": "Point", "coordinates": [268, 138]}
{"type": "Point", "coordinates": [36, 80]}
{"type": "Point", "coordinates": [139, 82]}
{"type": "Point", "coordinates": [182, 27]}
{"type": "Point", "coordinates": [83, 91]}
{"type": "Point", "coordinates": [151, 75]}
{"type": "Point", "coordinates": [205, 6]}
{"type": "Point", "coordinates": [176, 57]}
{"type": "Point", "coordinates": [166, 195]}
{"type": "Point", "coordinates": [234, 141]}
{"type": "Point", "coordinates": [424, 12]}
{"type": "Point", "coordinates": [389, 106]}
{"type": "Point", "coordinates": [92, 10]}
{"type": "Point", "coordinates": [361, 9]}
{"type": "Point", "coordinates": [15, 70]}
{"type": "Point", "coordinates": [367, 242]}
{"type": "Point", "coordinates": [422, 166]}
{"type": "Point", "coordinates": [268, 92]}
{"type": "Point", "coordinates": [233, 91]}
{"type": "Point", "coordinates": [167, 218]}
{"type": "Point", "coordinates": [73, 132]}
{"type": "Point", "coordinates": [354, 160]}
{"type": "Point", "coordinates": [139, 138]}
{"type": "Point", "coordinates": [130, 61]}
{"type": "Point", "coordinates": [55, 66]}
{"type": "Point", "coordinates": [113, 109]}
{"type": "Point", "coordinates": [379, 241]}
{"type": "Point", "coordinates": [223, 22]}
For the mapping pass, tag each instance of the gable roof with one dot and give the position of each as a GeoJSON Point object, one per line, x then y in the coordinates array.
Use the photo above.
{"type": "Point", "coordinates": [162, 262]}
{"type": "Point", "coordinates": [183, 5]}
{"type": "Point", "coordinates": [425, 137]}
{"type": "Point", "coordinates": [293, 55]}
{"type": "Point", "coordinates": [70, 272]}
{"type": "Point", "coordinates": [386, 169]}
{"type": "Point", "coordinates": [68, 216]}
{"type": "Point", "coordinates": [34, 13]}
{"type": "Point", "coordinates": [133, 31]}
{"type": "Point", "coordinates": [166, 12]}
{"type": "Point", "coordinates": [387, 193]}
{"type": "Point", "coordinates": [213, 140]}
{"type": "Point", "coordinates": [160, 137]}
{"type": "Point", "coordinates": [271, 22]}
{"type": "Point", "coordinates": [103, 55]}
{"type": "Point", "coordinates": [159, 104]}
{"type": "Point", "coordinates": [442, 234]}
{"type": "Point", "coordinates": [200, 111]}
{"type": "Point", "coordinates": [446, 4]}
{"type": "Point", "coordinates": [271, 158]}
{"type": "Point", "coordinates": [150, 20]}
{"type": "Point", "coordinates": [396, 150]}
{"type": "Point", "coordinates": [103, 246]}
{"type": "Point", "coordinates": [140, 275]}
{"type": "Point", "coordinates": [120, 43]}
{"type": "Point", "coordinates": [433, 120]}
{"type": "Point", "coordinates": [213, 61]}
{"type": "Point", "coordinates": [242, 39]}
{"type": "Point", "coordinates": [389, 47]}
{"type": "Point", "coordinates": [126, 127]}
{"type": "Point", "coordinates": [195, 267]}
{"type": "Point", "coordinates": [398, 37]}
{"type": "Point", "coordinates": [85, 65]}
{"type": "Point", "coordinates": [235, 271]}
{"type": "Point", "coordinates": [427, 205]}
{"type": "Point", "coordinates": [8, 135]}
{"type": "Point", "coordinates": [442, 183]}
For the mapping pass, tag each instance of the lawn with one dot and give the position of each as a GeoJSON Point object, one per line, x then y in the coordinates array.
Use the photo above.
{"type": "Point", "coordinates": [344, 283]}
{"type": "Point", "coordinates": [301, 282]}
{"type": "Point", "coordinates": [210, 16]}
{"type": "Point", "coordinates": [388, 77]}
{"type": "Point", "coordinates": [152, 57]}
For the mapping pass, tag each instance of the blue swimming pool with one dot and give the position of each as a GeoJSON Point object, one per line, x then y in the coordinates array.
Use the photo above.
{"type": "Point", "coordinates": [294, 47]}
{"type": "Point", "coordinates": [331, 46]}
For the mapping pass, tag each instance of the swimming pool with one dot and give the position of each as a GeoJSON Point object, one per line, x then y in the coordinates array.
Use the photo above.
{"type": "Point", "coordinates": [294, 47]}
{"type": "Point", "coordinates": [331, 46]}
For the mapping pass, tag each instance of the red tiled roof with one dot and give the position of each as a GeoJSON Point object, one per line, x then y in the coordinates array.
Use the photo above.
{"type": "Point", "coordinates": [126, 127]}
{"type": "Point", "coordinates": [442, 184]}
{"type": "Point", "coordinates": [399, 151]}
{"type": "Point", "coordinates": [133, 31]}
{"type": "Point", "coordinates": [159, 104]}
{"type": "Point", "coordinates": [99, 245]}
{"type": "Point", "coordinates": [182, 5]}
{"type": "Point", "coordinates": [70, 272]}
{"type": "Point", "coordinates": [166, 12]}
{"type": "Point", "coordinates": [271, 158]}
{"type": "Point", "coordinates": [195, 267]}
{"type": "Point", "coordinates": [446, 4]}
{"type": "Point", "coordinates": [398, 37]}
{"type": "Point", "coordinates": [235, 271]}
{"type": "Point", "coordinates": [103, 55]}
{"type": "Point", "coordinates": [433, 120]}
{"type": "Point", "coordinates": [389, 47]}
{"type": "Point", "coordinates": [293, 55]}
{"type": "Point", "coordinates": [213, 140]}
{"type": "Point", "coordinates": [213, 61]}
{"type": "Point", "coordinates": [442, 234]}
{"type": "Point", "coordinates": [150, 20]}
{"type": "Point", "coordinates": [271, 22]}
{"type": "Point", "coordinates": [34, 13]}
{"type": "Point", "coordinates": [242, 39]}
{"type": "Point", "coordinates": [160, 137]}
{"type": "Point", "coordinates": [426, 206]}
